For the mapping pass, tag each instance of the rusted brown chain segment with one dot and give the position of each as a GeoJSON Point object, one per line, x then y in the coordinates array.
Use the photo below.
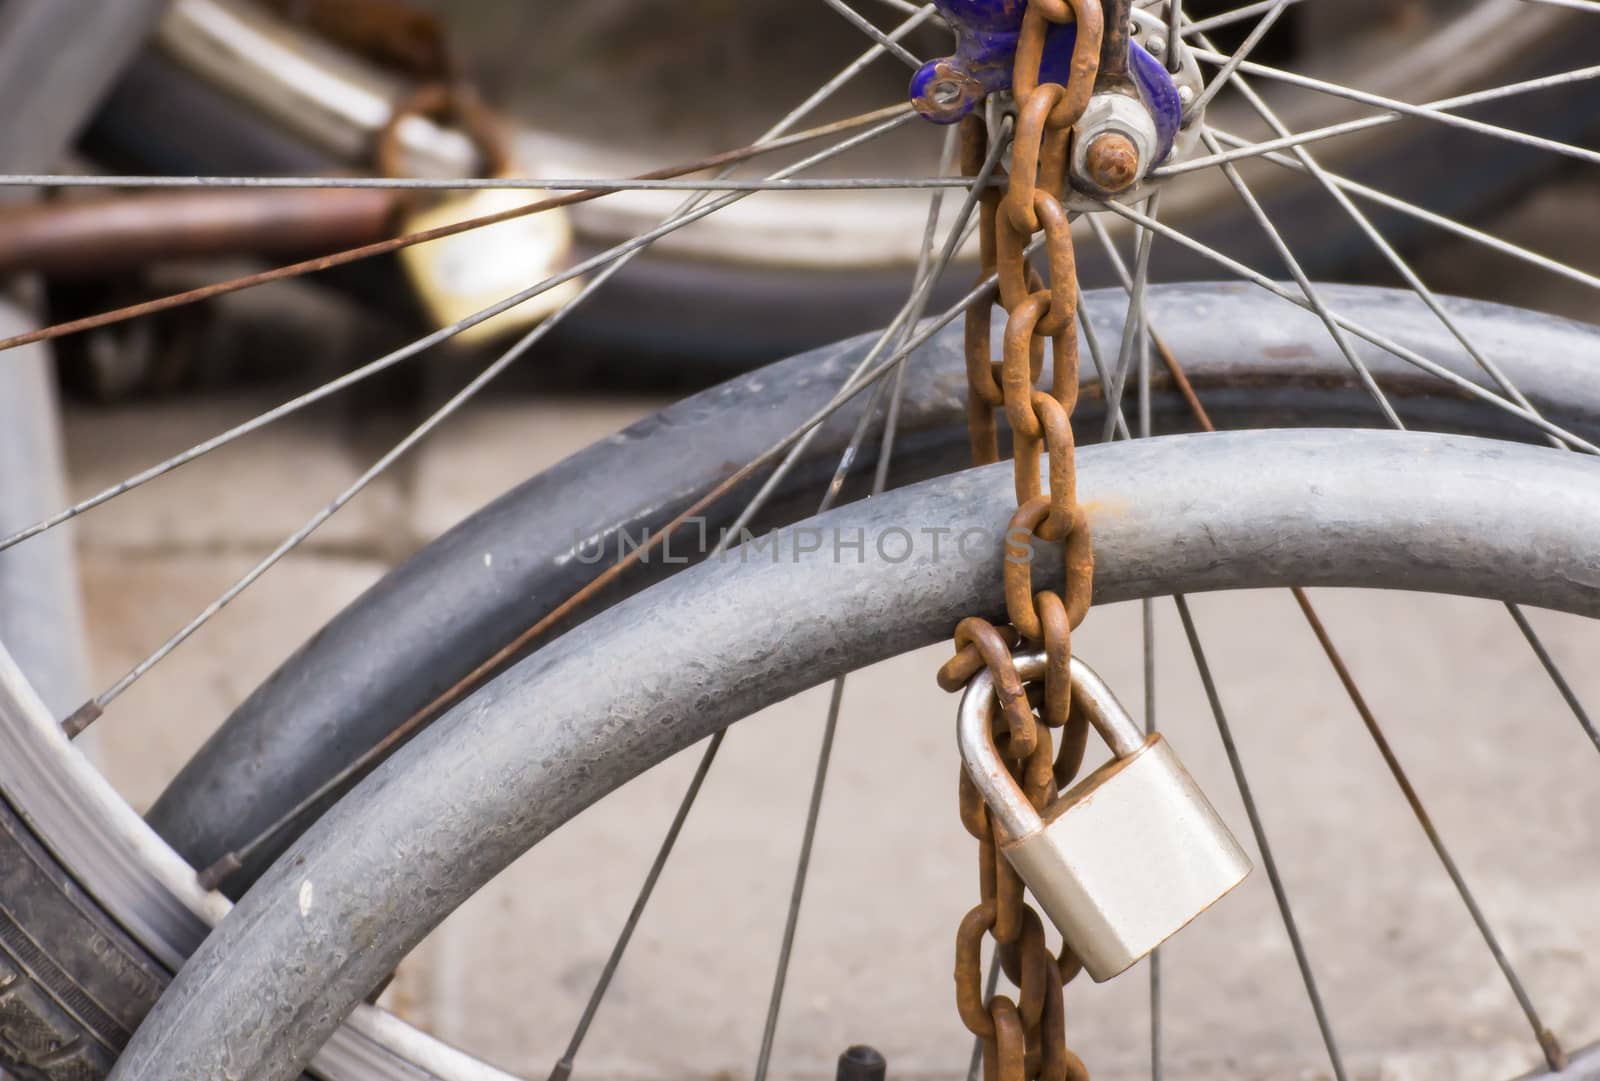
{"type": "Point", "coordinates": [1025, 1039]}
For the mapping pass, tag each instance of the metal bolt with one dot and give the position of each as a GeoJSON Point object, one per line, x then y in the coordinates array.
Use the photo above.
{"type": "Point", "coordinates": [862, 1063]}
{"type": "Point", "coordinates": [1112, 161]}
{"type": "Point", "coordinates": [1156, 46]}
{"type": "Point", "coordinates": [1186, 95]}
{"type": "Point", "coordinates": [945, 92]}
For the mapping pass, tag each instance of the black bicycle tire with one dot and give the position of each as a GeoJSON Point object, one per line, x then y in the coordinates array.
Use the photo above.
{"type": "Point", "coordinates": [432, 621]}
{"type": "Point", "coordinates": [73, 985]}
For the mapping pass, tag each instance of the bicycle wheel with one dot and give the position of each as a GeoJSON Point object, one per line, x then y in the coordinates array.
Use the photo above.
{"type": "Point", "coordinates": [849, 279]}
{"type": "Point", "coordinates": [134, 883]}
{"type": "Point", "coordinates": [1297, 376]}
{"type": "Point", "coordinates": [114, 854]}
{"type": "Point", "coordinates": [1244, 510]}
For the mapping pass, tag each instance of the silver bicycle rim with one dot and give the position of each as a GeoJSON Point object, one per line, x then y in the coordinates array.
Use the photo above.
{"type": "Point", "coordinates": [1171, 515]}
{"type": "Point", "coordinates": [434, 620]}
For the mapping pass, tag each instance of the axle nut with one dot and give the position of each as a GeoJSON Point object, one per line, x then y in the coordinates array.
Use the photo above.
{"type": "Point", "coordinates": [1115, 145]}
{"type": "Point", "coordinates": [1112, 161]}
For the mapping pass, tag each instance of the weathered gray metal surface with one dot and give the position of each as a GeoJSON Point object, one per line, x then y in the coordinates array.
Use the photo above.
{"type": "Point", "coordinates": [40, 616]}
{"type": "Point", "coordinates": [659, 671]}
{"type": "Point", "coordinates": [57, 58]}
{"type": "Point", "coordinates": [1255, 360]}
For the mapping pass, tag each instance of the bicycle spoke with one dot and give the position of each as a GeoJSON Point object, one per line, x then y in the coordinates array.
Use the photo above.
{"type": "Point", "coordinates": [1554, 672]}
{"type": "Point", "coordinates": [1310, 165]}
{"type": "Point", "coordinates": [612, 262]}
{"type": "Point", "coordinates": [1114, 257]}
{"type": "Point", "coordinates": [1117, 426]}
{"type": "Point", "coordinates": [1144, 401]}
{"type": "Point", "coordinates": [856, 66]}
{"type": "Point", "coordinates": [1554, 1056]}
{"type": "Point", "coordinates": [1092, 340]}
{"type": "Point", "coordinates": [1427, 296]}
{"type": "Point", "coordinates": [1224, 73]}
{"type": "Point", "coordinates": [830, 727]}
{"type": "Point", "coordinates": [860, 22]}
{"type": "Point", "coordinates": [764, 1058]}
{"type": "Point", "coordinates": [1131, 321]}
{"type": "Point", "coordinates": [862, 378]}
{"type": "Point", "coordinates": [905, 7]}
{"type": "Point", "coordinates": [1590, 6]}
{"type": "Point", "coordinates": [1126, 277]}
{"type": "Point", "coordinates": [598, 185]}
{"type": "Point", "coordinates": [1478, 236]}
{"type": "Point", "coordinates": [394, 244]}
{"type": "Point", "coordinates": [563, 1068]}
{"type": "Point", "coordinates": [1432, 112]}
{"type": "Point", "coordinates": [1175, 34]}
{"type": "Point", "coordinates": [1147, 626]}
{"type": "Point", "coordinates": [920, 292]}
{"type": "Point", "coordinates": [1432, 108]}
{"type": "Point", "coordinates": [773, 138]}
{"type": "Point", "coordinates": [1359, 330]}
{"type": "Point", "coordinates": [1279, 893]}
{"type": "Point", "coordinates": [1228, 18]}
{"type": "Point", "coordinates": [1546, 1040]}
{"type": "Point", "coordinates": [990, 984]}
{"type": "Point", "coordinates": [1310, 292]}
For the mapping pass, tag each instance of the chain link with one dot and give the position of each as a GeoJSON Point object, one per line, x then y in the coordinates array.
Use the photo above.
{"type": "Point", "coordinates": [1025, 1039]}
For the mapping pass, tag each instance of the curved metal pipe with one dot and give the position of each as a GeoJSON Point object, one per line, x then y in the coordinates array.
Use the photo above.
{"type": "Point", "coordinates": [102, 237]}
{"type": "Point", "coordinates": [1255, 360]}
{"type": "Point", "coordinates": [559, 730]}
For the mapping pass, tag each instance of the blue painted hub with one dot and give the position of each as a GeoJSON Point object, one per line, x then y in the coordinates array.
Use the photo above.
{"type": "Point", "coordinates": [946, 90]}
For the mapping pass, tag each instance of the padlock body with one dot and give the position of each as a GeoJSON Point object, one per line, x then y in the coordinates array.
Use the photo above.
{"type": "Point", "coordinates": [1127, 857]}
{"type": "Point", "coordinates": [460, 275]}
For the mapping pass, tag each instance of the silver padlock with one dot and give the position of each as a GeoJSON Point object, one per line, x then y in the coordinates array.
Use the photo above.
{"type": "Point", "coordinates": [1123, 859]}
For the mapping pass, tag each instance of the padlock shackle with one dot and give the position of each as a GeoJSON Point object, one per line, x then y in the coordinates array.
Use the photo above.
{"type": "Point", "coordinates": [975, 735]}
{"type": "Point", "coordinates": [1091, 694]}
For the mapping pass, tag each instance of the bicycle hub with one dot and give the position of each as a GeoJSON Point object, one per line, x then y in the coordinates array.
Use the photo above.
{"type": "Point", "coordinates": [1131, 125]}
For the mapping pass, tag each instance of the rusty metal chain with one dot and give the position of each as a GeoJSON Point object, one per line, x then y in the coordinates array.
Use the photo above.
{"type": "Point", "coordinates": [412, 41]}
{"type": "Point", "coordinates": [447, 102]}
{"type": "Point", "coordinates": [1025, 1039]}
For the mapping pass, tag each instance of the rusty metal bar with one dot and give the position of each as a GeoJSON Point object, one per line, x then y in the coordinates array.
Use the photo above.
{"type": "Point", "coordinates": [107, 235]}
